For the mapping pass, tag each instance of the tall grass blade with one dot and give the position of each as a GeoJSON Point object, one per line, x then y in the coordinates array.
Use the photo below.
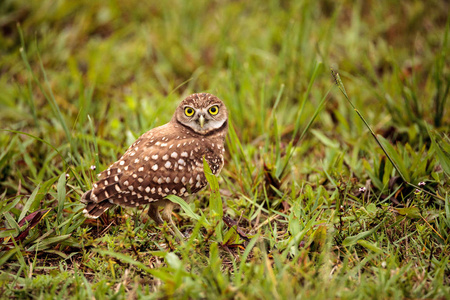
{"type": "Point", "coordinates": [61, 189]}
{"type": "Point", "coordinates": [341, 87]}
{"type": "Point", "coordinates": [186, 208]}
{"type": "Point", "coordinates": [215, 201]}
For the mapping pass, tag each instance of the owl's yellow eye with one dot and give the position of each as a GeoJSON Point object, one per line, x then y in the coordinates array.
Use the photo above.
{"type": "Point", "coordinates": [214, 110]}
{"type": "Point", "coordinates": [189, 111]}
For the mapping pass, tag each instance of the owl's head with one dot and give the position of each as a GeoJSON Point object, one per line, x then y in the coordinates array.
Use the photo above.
{"type": "Point", "coordinates": [203, 113]}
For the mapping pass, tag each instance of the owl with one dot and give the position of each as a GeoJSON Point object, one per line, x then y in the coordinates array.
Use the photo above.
{"type": "Point", "coordinates": [167, 160]}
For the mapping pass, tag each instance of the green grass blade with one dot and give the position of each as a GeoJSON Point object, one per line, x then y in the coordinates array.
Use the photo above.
{"type": "Point", "coordinates": [442, 155]}
{"type": "Point", "coordinates": [29, 203]}
{"type": "Point", "coordinates": [351, 240]}
{"type": "Point", "coordinates": [186, 208]}
{"type": "Point", "coordinates": [215, 201]}
{"type": "Point", "coordinates": [395, 158]}
{"type": "Point", "coordinates": [61, 196]}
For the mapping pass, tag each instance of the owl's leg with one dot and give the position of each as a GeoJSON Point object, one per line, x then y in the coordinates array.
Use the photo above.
{"type": "Point", "coordinates": [167, 216]}
{"type": "Point", "coordinates": [153, 213]}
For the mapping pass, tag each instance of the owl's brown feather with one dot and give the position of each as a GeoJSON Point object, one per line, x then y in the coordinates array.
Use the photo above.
{"type": "Point", "coordinates": [166, 160]}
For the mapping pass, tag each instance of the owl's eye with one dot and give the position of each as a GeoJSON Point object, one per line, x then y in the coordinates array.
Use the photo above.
{"type": "Point", "coordinates": [189, 111]}
{"type": "Point", "coordinates": [214, 110]}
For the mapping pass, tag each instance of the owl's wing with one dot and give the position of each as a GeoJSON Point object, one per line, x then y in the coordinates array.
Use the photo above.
{"type": "Point", "coordinates": [161, 162]}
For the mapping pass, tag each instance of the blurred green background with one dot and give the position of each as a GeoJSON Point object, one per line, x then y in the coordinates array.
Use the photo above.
{"type": "Point", "coordinates": [81, 80]}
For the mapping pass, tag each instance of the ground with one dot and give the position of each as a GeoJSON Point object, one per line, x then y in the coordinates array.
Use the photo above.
{"type": "Point", "coordinates": [336, 180]}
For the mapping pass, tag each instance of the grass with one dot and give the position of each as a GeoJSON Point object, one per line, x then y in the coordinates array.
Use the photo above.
{"type": "Point", "coordinates": [335, 185]}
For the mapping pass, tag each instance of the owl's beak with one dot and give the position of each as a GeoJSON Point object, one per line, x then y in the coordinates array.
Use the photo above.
{"type": "Point", "coordinates": [201, 120]}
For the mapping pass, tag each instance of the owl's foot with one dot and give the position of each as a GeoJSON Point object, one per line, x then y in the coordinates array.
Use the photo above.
{"type": "Point", "coordinates": [167, 216]}
{"type": "Point", "coordinates": [153, 213]}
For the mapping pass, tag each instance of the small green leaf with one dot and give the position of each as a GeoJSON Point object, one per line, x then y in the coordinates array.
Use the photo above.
{"type": "Point", "coordinates": [184, 206]}
{"type": "Point", "coordinates": [410, 212]}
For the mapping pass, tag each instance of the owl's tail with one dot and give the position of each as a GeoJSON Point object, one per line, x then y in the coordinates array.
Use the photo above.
{"type": "Point", "coordinates": [94, 209]}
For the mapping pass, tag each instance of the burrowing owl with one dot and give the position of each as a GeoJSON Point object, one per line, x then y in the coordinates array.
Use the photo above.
{"type": "Point", "coordinates": [167, 160]}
